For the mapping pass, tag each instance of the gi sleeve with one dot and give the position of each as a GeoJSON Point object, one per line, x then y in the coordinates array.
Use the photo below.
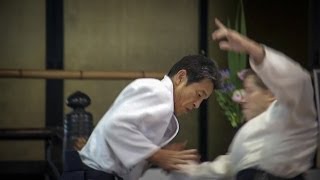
{"type": "Point", "coordinates": [284, 77]}
{"type": "Point", "coordinates": [138, 120]}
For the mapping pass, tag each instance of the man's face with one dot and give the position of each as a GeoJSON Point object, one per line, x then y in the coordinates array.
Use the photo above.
{"type": "Point", "coordinates": [256, 99]}
{"type": "Point", "coordinates": [189, 97]}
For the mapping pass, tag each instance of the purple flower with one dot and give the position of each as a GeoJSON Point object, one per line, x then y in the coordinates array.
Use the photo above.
{"type": "Point", "coordinates": [242, 73]}
{"type": "Point", "coordinates": [225, 74]}
{"type": "Point", "coordinates": [229, 87]}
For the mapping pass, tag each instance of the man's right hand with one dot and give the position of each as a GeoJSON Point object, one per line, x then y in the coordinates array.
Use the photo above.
{"type": "Point", "coordinates": [231, 40]}
{"type": "Point", "coordinates": [170, 160]}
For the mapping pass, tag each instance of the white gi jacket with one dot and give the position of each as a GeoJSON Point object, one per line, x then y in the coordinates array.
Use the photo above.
{"type": "Point", "coordinates": [140, 121]}
{"type": "Point", "coordinates": [283, 139]}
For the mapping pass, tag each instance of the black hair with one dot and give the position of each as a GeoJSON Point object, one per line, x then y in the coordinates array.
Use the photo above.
{"type": "Point", "coordinates": [198, 67]}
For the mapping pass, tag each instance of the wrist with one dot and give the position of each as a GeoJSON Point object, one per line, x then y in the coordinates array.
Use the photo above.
{"type": "Point", "coordinates": [257, 52]}
{"type": "Point", "coordinates": [154, 157]}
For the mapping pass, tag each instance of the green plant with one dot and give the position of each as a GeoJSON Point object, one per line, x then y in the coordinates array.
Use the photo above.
{"type": "Point", "coordinates": [232, 85]}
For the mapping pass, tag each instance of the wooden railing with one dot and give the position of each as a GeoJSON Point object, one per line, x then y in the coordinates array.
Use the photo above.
{"type": "Point", "coordinates": [71, 74]}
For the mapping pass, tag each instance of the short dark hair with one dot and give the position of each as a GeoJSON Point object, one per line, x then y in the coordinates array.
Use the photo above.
{"type": "Point", "coordinates": [198, 67]}
{"type": "Point", "coordinates": [257, 80]}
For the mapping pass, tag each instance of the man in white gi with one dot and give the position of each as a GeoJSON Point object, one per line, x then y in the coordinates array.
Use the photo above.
{"type": "Point", "coordinates": [142, 120]}
{"type": "Point", "coordinates": [279, 139]}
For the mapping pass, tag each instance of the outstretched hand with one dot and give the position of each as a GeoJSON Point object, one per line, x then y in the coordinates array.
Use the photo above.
{"type": "Point", "coordinates": [179, 146]}
{"type": "Point", "coordinates": [170, 160]}
{"type": "Point", "coordinates": [231, 40]}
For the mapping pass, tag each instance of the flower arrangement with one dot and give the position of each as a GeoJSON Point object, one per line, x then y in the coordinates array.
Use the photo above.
{"type": "Point", "coordinates": [231, 93]}
{"type": "Point", "coordinates": [229, 98]}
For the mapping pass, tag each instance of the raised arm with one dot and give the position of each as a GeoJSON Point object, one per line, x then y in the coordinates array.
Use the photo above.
{"type": "Point", "coordinates": [283, 76]}
{"type": "Point", "coordinates": [231, 40]}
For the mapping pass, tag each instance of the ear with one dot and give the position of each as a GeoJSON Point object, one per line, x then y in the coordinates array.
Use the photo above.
{"type": "Point", "coordinates": [180, 77]}
{"type": "Point", "coordinates": [271, 96]}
